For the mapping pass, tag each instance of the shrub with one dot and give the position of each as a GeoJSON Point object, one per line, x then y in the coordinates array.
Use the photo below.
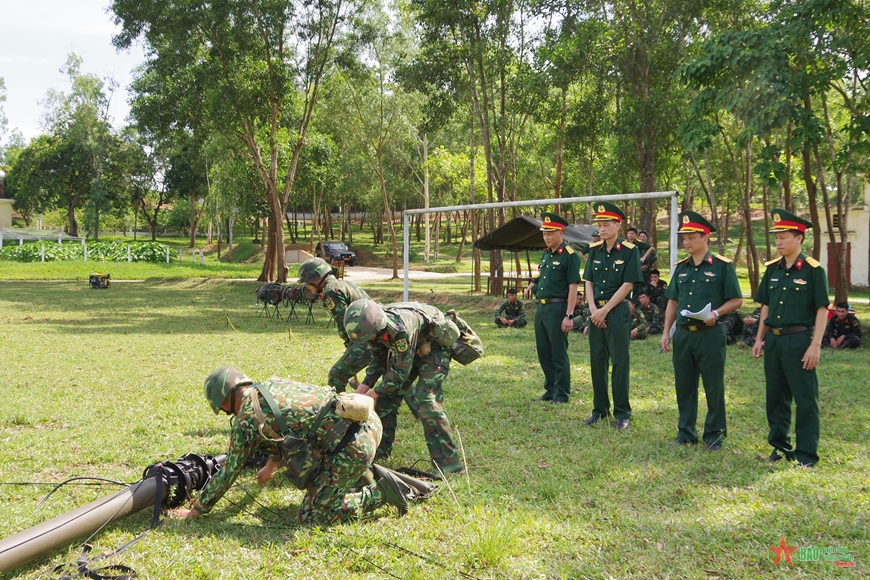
{"type": "Point", "coordinates": [101, 251]}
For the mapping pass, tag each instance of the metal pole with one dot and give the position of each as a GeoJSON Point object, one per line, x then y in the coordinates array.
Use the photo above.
{"type": "Point", "coordinates": [675, 225]}
{"type": "Point", "coordinates": [57, 532]}
{"type": "Point", "coordinates": [406, 246]}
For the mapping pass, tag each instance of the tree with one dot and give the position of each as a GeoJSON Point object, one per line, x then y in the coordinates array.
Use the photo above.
{"type": "Point", "coordinates": [259, 65]}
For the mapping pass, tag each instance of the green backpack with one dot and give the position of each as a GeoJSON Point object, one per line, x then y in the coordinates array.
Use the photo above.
{"type": "Point", "coordinates": [468, 347]}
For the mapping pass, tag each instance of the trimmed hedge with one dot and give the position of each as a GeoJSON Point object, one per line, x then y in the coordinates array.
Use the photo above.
{"type": "Point", "coordinates": [72, 251]}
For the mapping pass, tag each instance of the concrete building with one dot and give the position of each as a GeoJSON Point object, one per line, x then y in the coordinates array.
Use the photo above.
{"type": "Point", "coordinates": [857, 247]}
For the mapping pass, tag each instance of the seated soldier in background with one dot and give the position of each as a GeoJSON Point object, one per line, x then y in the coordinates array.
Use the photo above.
{"type": "Point", "coordinates": [581, 314]}
{"type": "Point", "coordinates": [639, 324]}
{"type": "Point", "coordinates": [843, 330]}
{"type": "Point", "coordinates": [584, 248]}
{"type": "Point", "coordinates": [653, 315]}
{"type": "Point", "coordinates": [750, 327]}
{"type": "Point", "coordinates": [511, 312]}
{"type": "Point", "coordinates": [656, 290]}
{"type": "Point", "coordinates": [648, 256]}
{"type": "Point", "coordinates": [733, 326]}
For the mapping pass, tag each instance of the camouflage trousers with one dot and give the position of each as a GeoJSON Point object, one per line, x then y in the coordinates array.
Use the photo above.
{"type": "Point", "coordinates": [327, 500]}
{"type": "Point", "coordinates": [355, 358]}
{"type": "Point", "coordinates": [426, 401]}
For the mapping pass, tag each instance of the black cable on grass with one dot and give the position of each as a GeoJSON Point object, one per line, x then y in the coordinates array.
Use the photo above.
{"type": "Point", "coordinates": [381, 568]}
{"type": "Point", "coordinates": [432, 561]}
{"type": "Point", "coordinates": [72, 479]}
{"type": "Point", "coordinates": [67, 482]}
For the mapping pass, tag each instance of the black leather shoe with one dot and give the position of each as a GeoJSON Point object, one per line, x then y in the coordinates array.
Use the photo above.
{"type": "Point", "coordinates": [554, 401]}
{"type": "Point", "coordinates": [542, 399]}
{"type": "Point", "coordinates": [622, 424]}
{"type": "Point", "coordinates": [682, 442]}
{"type": "Point", "coordinates": [774, 457]}
{"type": "Point", "coordinates": [593, 419]}
{"type": "Point", "coordinates": [714, 447]}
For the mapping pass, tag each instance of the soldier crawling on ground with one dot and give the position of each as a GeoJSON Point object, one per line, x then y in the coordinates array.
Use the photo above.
{"type": "Point", "coordinates": [511, 312]}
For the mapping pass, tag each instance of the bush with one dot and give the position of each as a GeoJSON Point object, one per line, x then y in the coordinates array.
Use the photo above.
{"type": "Point", "coordinates": [101, 251]}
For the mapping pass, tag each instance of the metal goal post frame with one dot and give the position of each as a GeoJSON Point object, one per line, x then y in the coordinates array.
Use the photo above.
{"type": "Point", "coordinates": [672, 236]}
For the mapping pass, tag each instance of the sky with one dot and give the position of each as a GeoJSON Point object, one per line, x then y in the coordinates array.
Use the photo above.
{"type": "Point", "coordinates": [36, 36]}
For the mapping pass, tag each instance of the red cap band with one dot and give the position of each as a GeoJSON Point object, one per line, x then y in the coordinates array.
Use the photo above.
{"type": "Point", "coordinates": [608, 215]}
{"type": "Point", "coordinates": [694, 227]}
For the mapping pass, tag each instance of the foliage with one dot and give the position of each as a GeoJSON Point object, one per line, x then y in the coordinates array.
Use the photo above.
{"type": "Point", "coordinates": [115, 251]}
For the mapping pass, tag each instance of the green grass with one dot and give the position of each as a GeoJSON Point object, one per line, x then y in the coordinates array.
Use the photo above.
{"type": "Point", "coordinates": [106, 382]}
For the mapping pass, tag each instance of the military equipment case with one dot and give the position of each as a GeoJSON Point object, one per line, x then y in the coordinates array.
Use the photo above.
{"type": "Point", "coordinates": [468, 347]}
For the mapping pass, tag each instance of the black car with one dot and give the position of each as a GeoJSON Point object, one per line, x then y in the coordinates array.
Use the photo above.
{"type": "Point", "coordinates": [332, 251]}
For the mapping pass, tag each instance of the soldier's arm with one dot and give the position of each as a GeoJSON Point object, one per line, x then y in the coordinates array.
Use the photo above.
{"type": "Point", "coordinates": [398, 372]}
{"type": "Point", "coordinates": [521, 316]}
{"type": "Point", "coordinates": [856, 326]}
{"type": "Point", "coordinates": [243, 440]}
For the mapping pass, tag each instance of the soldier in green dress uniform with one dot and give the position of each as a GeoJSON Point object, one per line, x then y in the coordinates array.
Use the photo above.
{"type": "Point", "coordinates": [699, 281]}
{"type": "Point", "coordinates": [611, 272]}
{"type": "Point", "coordinates": [794, 308]}
{"type": "Point", "coordinates": [556, 291]}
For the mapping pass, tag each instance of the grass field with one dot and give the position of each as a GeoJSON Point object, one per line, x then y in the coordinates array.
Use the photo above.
{"type": "Point", "coordinates": [106, 382]}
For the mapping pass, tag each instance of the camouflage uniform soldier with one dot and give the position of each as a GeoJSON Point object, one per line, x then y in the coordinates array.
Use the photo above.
{"type": "Point", "coordinates": [581, 314]}
{"type": "Point", "coordinates": [405, 349]}
{"type": "Point", "coordinates": [639, 325]}
{"type": "Point", "coordinates": [843, 330]}
{"type": "Point", "coordinates": [656, 290]}
{"type": "Point", "coordinates": [336, 295]}
{"type": "Point", "coordinates": [511, 312]}
{"type": "Point", "coordinates": [308, 413]}
{"type": "Point", "coordinates": [750, 327]}
{"type": "Point", "coordinates": [651, 312]}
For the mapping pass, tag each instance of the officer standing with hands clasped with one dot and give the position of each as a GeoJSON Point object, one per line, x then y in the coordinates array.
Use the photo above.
{"type": "Point", "coordinates": [699, 282]}
{"type": "Point", "coordinates": [794, 308]}
{"type": "Point", "coordinates": [611, 272]}
{"type": "Point", "coordinates": [556, 291]}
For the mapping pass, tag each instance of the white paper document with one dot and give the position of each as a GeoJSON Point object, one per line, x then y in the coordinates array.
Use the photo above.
{"type": "Point", "coordinates": [702, 314]}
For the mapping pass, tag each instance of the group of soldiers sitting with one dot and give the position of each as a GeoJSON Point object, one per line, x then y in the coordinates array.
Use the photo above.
{"type": "Point", "coordinates": [647, 310]}
{"type": "Point", "coordinates": [326, 439]}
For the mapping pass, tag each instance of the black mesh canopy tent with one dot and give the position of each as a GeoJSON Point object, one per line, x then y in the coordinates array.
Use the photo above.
{"type": "Point", "coordinates": [523, 234]}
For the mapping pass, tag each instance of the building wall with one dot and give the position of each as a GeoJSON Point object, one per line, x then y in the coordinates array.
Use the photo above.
{"type": "Point", "coordinates": [5, 213]}
{"type": "Point", "coordinates": [859, 236]}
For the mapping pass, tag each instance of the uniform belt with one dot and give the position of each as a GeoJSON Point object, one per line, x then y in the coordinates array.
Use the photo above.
{"type": "Point", "coordinates": [696, 328]}
{"type": "Point", "coordinates": [788, 330]}
{"type": "Point", "coordinates": [551, 300]}
{"type": "Point", "coordinates": [600, 303]}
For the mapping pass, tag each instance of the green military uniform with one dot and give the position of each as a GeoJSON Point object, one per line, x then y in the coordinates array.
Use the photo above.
{"type": "Point", "coordinates": [558, 270]}
{"type": "Point", "coordinates": [328, 498]}
{"type": "Point", "coordinates": [638, 321]}
{"type": "Point", "coordinates": [511, 312]}
{"type": "Point", "coordinates": [657, 294]}
{"type": "Point", "coordinates": [337, 295]}
{"type": "Point", "coordinates": [650, 260]}
{"type": "Point", "coordinates": [581, 317]}
{"type": "Point", "coordinates": [850, 327]}
{"type": "Point", "coordinates": [793, 296]}
{"type": "Point", "coordinates": [699, 350]}
{"type": "Point", "coordinates": [399, 359]}
{"type": "Point", "coordinates": [608, 271]}
{"type": "Point", "coordinates": [750, 330]}
{"type": "Point", "coordinates": [654, 317]}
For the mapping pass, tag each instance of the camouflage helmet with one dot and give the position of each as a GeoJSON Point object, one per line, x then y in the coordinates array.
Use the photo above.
{"type": "Point", "coordinates": [221, 383]}
{"type": "Point", "coordinates": [363, 319]}
{"type": "Point", "coordinates": [313, 270]}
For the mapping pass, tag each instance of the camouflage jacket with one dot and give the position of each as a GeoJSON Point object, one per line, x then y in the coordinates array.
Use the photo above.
{"type": "Point", "coordinates": [511, 311]}
{"type": "Point", "coordinates": [653, 315]}
{"type": "Point", "coordinates": [837, 328]}
{"type": "Point", "coordinates": [300, 404]}
{"type": "Point", "coordinates": [639, 321]}
{"type": "Point", "coordinates": [656, 292]}
{"type": "Point", "coordinates": [337, 295]}
{"type": "Point", "coordinates": [394, 349]}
